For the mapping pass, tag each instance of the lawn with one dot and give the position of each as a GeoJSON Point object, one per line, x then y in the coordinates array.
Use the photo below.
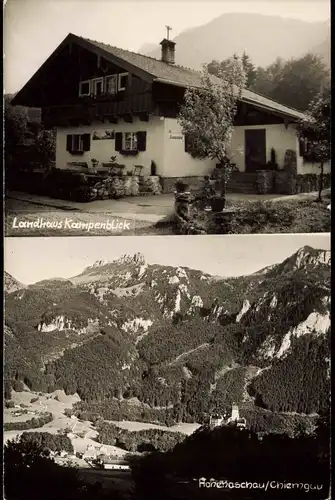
{"type": "Point", "coordinates": [291, 214]}
{"type": "Point", "coordinates": [283, 216]}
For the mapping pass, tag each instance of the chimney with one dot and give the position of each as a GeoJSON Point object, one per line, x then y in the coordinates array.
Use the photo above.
{"type": "Point", "coordinates": [168, 51]}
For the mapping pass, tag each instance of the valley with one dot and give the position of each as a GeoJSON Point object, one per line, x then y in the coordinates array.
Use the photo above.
{"type": "Point", "coordinates": [137, 377]}
{"type": "Point", "coordinates": [174, 345]}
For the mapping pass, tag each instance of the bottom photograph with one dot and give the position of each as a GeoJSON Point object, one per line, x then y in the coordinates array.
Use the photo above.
{"type": "Point", "coordinates": [178, 367]}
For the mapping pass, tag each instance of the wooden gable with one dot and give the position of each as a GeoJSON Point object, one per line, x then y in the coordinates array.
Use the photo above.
{"type": "Point", "coordinates": [57, 81]}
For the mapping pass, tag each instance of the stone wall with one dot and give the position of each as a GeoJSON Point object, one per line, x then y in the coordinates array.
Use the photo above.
{"type": "Point", "coordinates": [150, 185]}
{"type": "Point", "coordinates": [265, 181]}
{"type": "Point", "coordinates": [302, 184]}
{"type": "Point", "coordinates": [78, 186]}
{"type": "Point", "coordinates": [310, 182]}
{"type": "Point", "coordinates": [287, 181]}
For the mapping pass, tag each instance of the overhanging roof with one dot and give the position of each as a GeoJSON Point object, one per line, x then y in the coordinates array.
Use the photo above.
{"type": "Point", "coordinates": [152, 69]}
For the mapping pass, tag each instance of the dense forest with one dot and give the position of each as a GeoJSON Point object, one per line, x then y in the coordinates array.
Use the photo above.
{"type": "Point", "coordinates": [294, 82]}
{"type": "Point", "coordinates": [33, 423]}
{"type": "Point", "coordinates": [138, 441]}
{"type": "Point", "coordinates": [138, 358]}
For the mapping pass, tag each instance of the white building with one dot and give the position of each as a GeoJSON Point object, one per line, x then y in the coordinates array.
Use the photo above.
{"type": "Point", "coordinates": [105, 101]}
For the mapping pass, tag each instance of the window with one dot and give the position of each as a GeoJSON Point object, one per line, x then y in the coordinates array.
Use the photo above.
{"type": "Point", "coordinates": [122, 83]}
{"type": "Point", "coordinates": [85, 88]}
{"type": "Point", "coordinates": [110, 84]}
{"type": "Point", "coordinates": [78, 143]}
{"type": "Point", "coordinates": [97, 86]}
{"type": "Point", "coordinates": [129, 141]}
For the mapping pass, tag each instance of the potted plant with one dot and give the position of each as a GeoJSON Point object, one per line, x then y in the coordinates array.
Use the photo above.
{"type": "Point", "coordinates": [181, 186]}
{"type": "Point", "coordinates": [217, 203]}
{"type": "Point", "coordinates": [95, 163]}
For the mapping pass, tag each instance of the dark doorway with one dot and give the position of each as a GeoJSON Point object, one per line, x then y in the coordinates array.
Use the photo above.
{"type": "Point", "coordinates": [255, 149]}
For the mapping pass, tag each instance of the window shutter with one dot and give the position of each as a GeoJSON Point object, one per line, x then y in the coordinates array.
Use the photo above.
{"type": "Point", "coordinates": [187, 143]}
{"type": "Point", "coordinates": [118, 141]}
{"type": "Point", "coordinates": [69, 142]}
{"type": "Point", "coordinates": [86, 138]}
{"type": "Point", "coordinates": [141, 141]}
{"type": "Point", "coordinates": [301, 147]}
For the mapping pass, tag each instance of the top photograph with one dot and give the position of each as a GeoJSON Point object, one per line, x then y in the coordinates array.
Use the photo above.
{"type": "Point", "coordinates": [117, 123]}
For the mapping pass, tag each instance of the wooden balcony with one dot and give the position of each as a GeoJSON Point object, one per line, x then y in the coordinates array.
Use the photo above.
{"type": "Point", "coordinates": [89, 111]}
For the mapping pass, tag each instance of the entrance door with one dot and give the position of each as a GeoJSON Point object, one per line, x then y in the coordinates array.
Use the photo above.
{"type": "Point", "coordinates": [255, 149]}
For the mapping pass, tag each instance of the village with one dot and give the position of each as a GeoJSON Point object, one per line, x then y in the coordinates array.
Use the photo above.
{"type": "Point", "coordinates": [87, 452]}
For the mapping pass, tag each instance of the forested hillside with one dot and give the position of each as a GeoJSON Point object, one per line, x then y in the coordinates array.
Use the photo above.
{"type": "Point", "coordinates": [157, 343]}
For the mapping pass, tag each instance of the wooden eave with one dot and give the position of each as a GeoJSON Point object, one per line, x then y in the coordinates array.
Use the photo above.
{"type": "Point", "coordinates": [282, 114]}
{"type": "Point", "coordinates": [19, 99]}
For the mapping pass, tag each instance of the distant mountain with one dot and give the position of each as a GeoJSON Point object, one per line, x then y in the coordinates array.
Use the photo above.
{"type": "Point", "coordinates": [263, 37]}
{"type": "Point", "coordinates": [12, 284]}
{"type": "Point", "coordinates": [177, 341]}
{"type": "Point", "coordinates": [323, 50]}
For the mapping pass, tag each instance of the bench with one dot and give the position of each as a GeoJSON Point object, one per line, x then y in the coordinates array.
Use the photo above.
{"type": "Point", "coordinates": [78, 164]}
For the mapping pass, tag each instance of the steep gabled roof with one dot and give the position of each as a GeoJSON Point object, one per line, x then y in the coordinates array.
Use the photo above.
{"type": "Point", "coordinates": [178, 75]}
{"type": "Point", "coordinates": [160, 71]}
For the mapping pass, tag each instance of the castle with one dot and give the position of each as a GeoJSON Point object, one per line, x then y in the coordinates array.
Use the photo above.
{"type": "Point", "coordinates": [234, 419]}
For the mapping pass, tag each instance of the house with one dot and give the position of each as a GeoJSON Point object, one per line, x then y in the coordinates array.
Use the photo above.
{"type": "Point", "coordinates": [108, 102]}
{"type": "Point", "coordinates": [113, 463]}
{"type": "Point", "coordinates": [215, 420]}
{"type": "Point", "coordinates": [234, 419]}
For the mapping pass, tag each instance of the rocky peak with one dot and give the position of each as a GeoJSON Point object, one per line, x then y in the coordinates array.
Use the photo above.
{"type": "Point", "coordinates": [135, 259]}
{"type": "Point", "coordinates": [306, 259]}
{"type": "Point", "coordinates": [307, 256]}
{"type": "Point", "coordinates": [12, 284]}
{"type": "Point", "coordinates": [99, 263]}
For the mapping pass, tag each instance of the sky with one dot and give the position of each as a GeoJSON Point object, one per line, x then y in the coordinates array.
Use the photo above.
{"type": "Point", "coordinates": [34, 28]}
{"type": "Point", "coordinates": [33, 259]}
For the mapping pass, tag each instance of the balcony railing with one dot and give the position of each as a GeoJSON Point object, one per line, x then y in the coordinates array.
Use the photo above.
{"type": "Point", "coordinates": [90, 111]}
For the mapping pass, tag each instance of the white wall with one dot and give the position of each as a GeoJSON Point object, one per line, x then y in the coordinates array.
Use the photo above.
{"type": "Point", "coordinates": [277, 137]}
{"type": "Point", "coordinates": [178, 163]}
{"type": "Point", "coordinates": [308, 167]}
{"type": "Point", "coordinates": [102, 150]}
{"type": "Point", "coordinates": [164, 146]}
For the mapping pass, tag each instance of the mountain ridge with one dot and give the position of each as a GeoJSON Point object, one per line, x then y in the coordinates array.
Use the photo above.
{"type": "Point", "coordinates": [235, 32]}
{"type": "Point", "coordinates": [176, 339]}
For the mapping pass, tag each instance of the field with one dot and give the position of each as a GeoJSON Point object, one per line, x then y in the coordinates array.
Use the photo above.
{"type": "Point", "coordinates": [81, 433]}
{"type": "Point", "coordinates": [184, 428]}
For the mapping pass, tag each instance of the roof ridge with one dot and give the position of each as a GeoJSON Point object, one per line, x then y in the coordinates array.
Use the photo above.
{"type": "Point", "coordinates": [139, 54]}
{"type": "Point", "coordinates": [185, 67]}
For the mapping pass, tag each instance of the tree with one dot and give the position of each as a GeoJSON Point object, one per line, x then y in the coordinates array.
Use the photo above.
{"type": "Point", "coordinates": [17, 129]}
{"type": "Point", "coordinates": [16, 120]}
{"type": "Point", "coordinates": [249, 69]}
{"type": "Point", "coordinates": [314, 131]}
{"type": "Point", "coordinates": [207, 114]}
{"type": "Point", "coordinates": [295, 82]}
{"type": "Point", "coordinates": [216, 67]}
